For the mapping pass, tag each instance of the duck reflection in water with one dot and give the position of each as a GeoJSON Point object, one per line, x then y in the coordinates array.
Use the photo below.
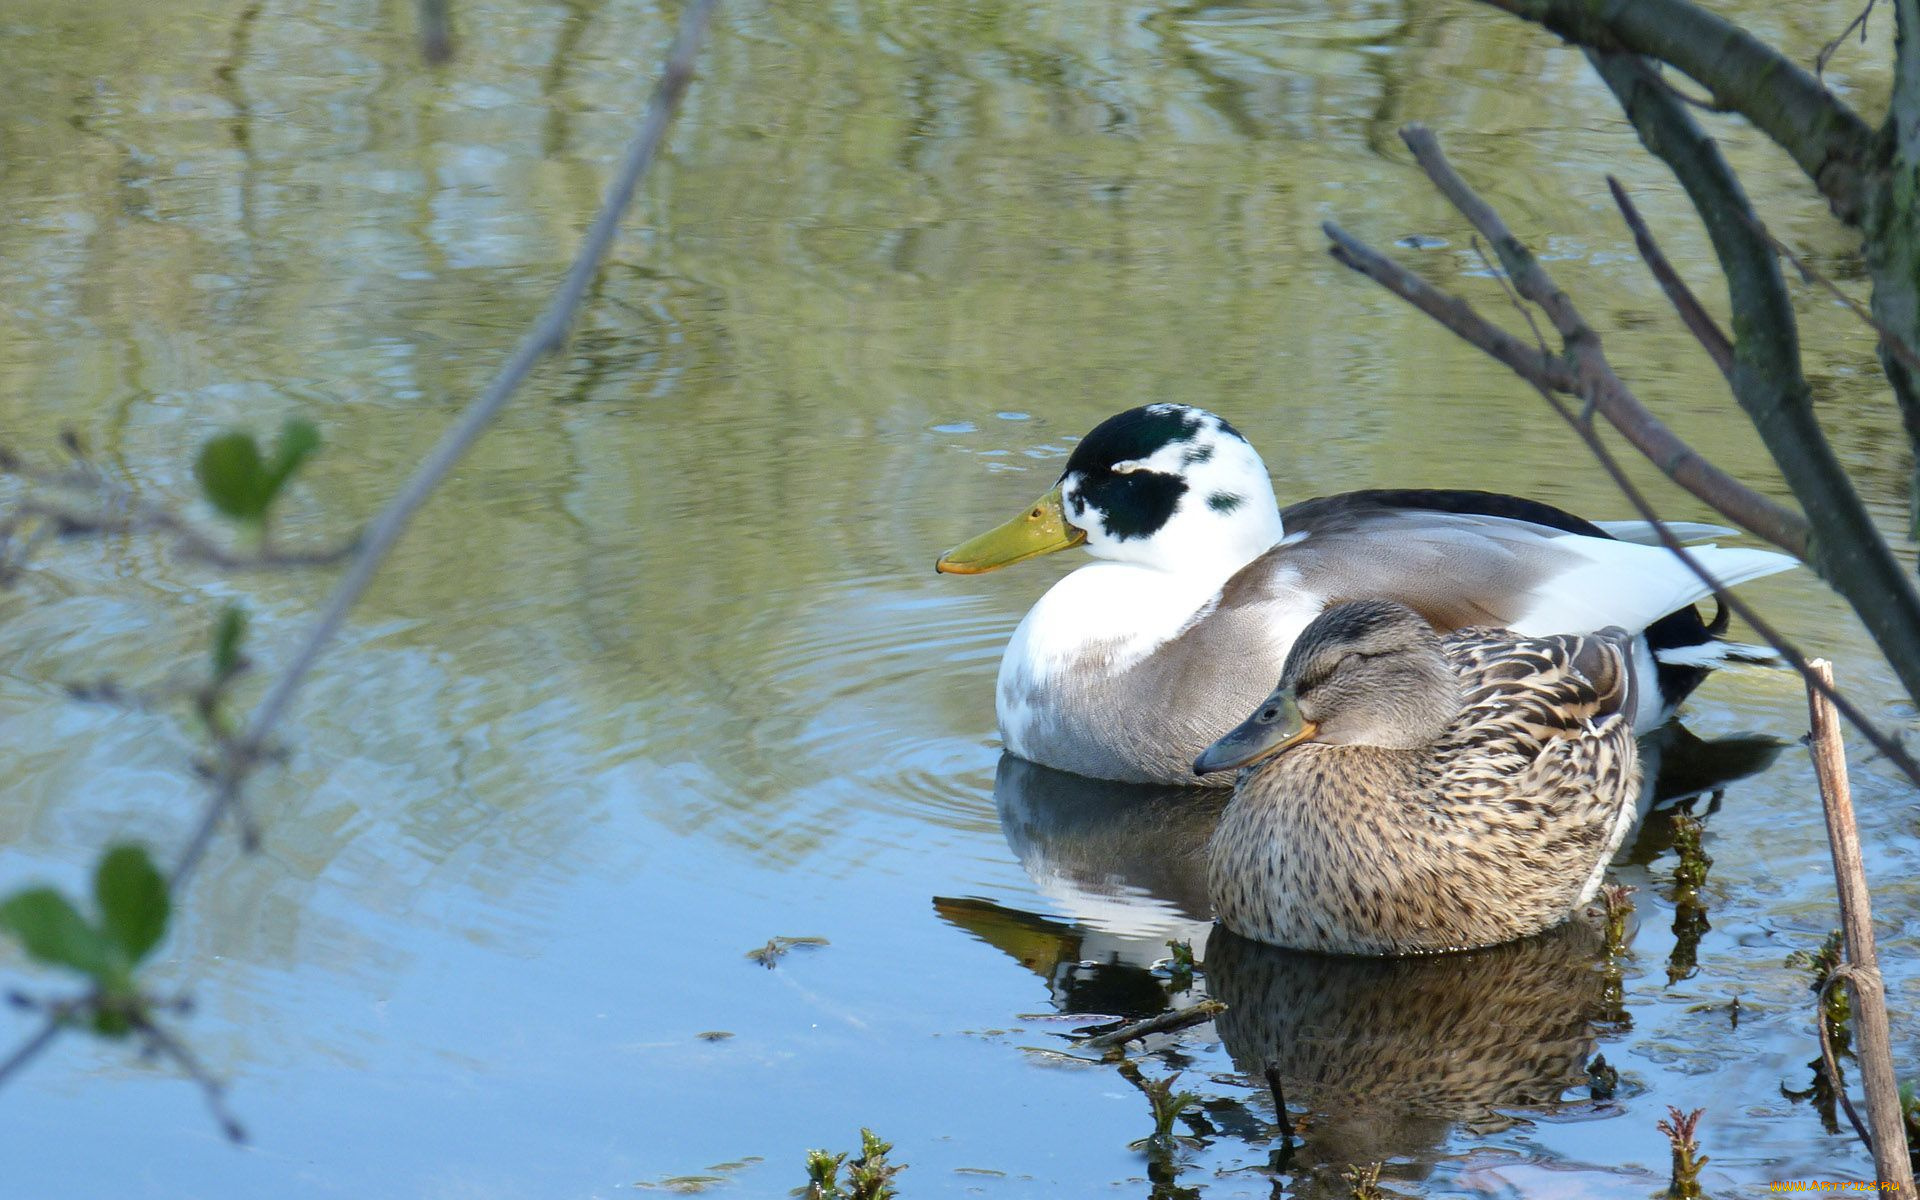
{"type": "Point", "coordinates": [1126, 863]}
{"type": "Point", "coordinates": [1388, 1055]}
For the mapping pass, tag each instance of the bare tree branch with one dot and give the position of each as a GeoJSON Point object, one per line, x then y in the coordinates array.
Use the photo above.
{"type": "Point", "coordinates": [1793, 656]}
{"type": "Point", "coordinates": [1596, 382]}
{"type": "Point", "coordinates": [1845, 548]}
{"type": "Point", "coordinates": [1830, 141]}
{"type": "Point", "coordinates": [1361, 257]}
{"type": "Point", "coordinates": [1647, 433]}
{"type": "Point", "coordinates": [1906, 82]}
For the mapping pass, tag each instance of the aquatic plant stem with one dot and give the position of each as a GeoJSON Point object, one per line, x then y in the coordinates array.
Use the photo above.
{"type": "Point", "coordinates": [1830, 1061]}
{"type": "Point", "coordinates": [1862, 969]}
{"type": "Point", "coordinates": [548, 334]}
{"type": "Point", "coordinates": [1681, 1128]}
{"type": "Point", "coordinates": [1167, 1022]}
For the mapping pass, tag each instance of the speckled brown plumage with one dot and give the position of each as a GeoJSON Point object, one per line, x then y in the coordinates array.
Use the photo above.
{"type": "Point", "coordinates": [1493, 830]}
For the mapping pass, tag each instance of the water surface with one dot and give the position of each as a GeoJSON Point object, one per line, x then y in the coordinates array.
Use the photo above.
{"type": "Point", "coordinates": [664, 673]}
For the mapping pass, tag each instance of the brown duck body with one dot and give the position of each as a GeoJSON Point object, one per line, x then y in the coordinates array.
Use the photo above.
{"type": "Point", "coordinates": [1495, 830]}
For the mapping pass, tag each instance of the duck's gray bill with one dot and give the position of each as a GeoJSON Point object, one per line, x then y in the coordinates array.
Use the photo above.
{"type": "Point", "coordinates": [1273, 727]}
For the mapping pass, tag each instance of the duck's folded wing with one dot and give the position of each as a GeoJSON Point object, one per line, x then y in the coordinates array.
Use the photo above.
{"type": "Point", "coordinates": [1462, 569]}
{"type": "Point", "coordinates": [1548, 726]}
{"type": "Point", "coordinates": [1521, 693]}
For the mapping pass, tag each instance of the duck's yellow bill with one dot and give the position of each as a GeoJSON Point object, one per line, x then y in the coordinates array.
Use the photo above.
{"type": "Point", "coordinates": [1042, 529]}
{"type": "Point", "coordinates": [1275, 726]}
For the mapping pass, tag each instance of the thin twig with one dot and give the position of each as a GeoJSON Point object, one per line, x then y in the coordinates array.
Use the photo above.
{"type": "Point", "coordinates": [1599, 385]}
{"type": "Point", "coordinates": [30, 1049]}
{"type": "Point", "coordinates": [1692, 313]}
{"type": "Point", "coordinates": [1862, 968]}
{"type": "Point", "coordinates": [1885, 743]}
{"type": "Point", "coordinates": [1827, 51]}
{"type": "Point", "coordinates": [212, 1089]}
{"type": "Point", "coordinates": [1166, 1022]}
{"type": "Point", "coordinates": [1583, 346]}
{"type": "Point", "coordinates": [1846, 547]}
{"type": "Point", "coordinates": [1794, 658]}
{"type": "Point", "coordinates": [548, 335]}
{"type": "Point", "coordinates": [1513, 298]}
{"type": "Point", "coordinates": [62, 521]}
{"type": "Point", "coordinates": [1896, 345]}
{"type": "Point", "coordinates": [1584, 372]}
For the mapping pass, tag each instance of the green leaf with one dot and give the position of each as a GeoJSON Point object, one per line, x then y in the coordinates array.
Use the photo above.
{"type": "Point", "coordinates": [133, 901]}
{"type": "Point", "coordinates": [239, 482]}
{"type": "Point", "coordinates": [232, 476]}
{"type": "Point", "coordinates": [227, 636]}
{"type": "Point", "coordinates": [298, 440]}
{"type": "Point", "coordinates": [54, 932]}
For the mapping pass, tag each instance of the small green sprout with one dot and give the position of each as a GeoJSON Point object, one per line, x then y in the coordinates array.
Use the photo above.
{"type": "Point", "coordinates": [131, 896]}
{"type": "Point", "coordinates": [869, 1177]}
{"type": "Point", "coordinates": [1687, 1159]}
{"type": "Point", "coordinates": [241, 482]}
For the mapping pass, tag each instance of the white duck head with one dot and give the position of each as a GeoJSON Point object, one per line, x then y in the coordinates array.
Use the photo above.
{"type": "Point", "coordinates": [1165, 486]}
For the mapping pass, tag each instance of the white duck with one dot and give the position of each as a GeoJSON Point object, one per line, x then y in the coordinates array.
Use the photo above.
{"type": "Point", "coordinates": [1130, 666]}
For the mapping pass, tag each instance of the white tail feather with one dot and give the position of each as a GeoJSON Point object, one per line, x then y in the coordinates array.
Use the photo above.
{"type": "Point", "coordinates": [1626, 584]}
{"type": "Point", "coordinates": [1717, 653]}
{"type": "Point", "coordinates": [1641, 532]}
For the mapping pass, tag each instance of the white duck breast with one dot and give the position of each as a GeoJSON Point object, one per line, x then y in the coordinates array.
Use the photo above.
{"type": "Point", "coordinates": [1131, 665]}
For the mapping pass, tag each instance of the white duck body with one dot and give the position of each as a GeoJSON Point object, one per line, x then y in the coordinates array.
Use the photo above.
{"type": "Point", "coordinates": [1130, 666]}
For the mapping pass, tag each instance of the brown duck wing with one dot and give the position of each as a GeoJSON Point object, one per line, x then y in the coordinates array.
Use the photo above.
{"type": "Point", "coordinates": [1541, 688]}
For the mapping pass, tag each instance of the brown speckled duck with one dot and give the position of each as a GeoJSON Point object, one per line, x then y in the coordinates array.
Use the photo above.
{"type": "Point", "coordinates": [1404, 792]}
